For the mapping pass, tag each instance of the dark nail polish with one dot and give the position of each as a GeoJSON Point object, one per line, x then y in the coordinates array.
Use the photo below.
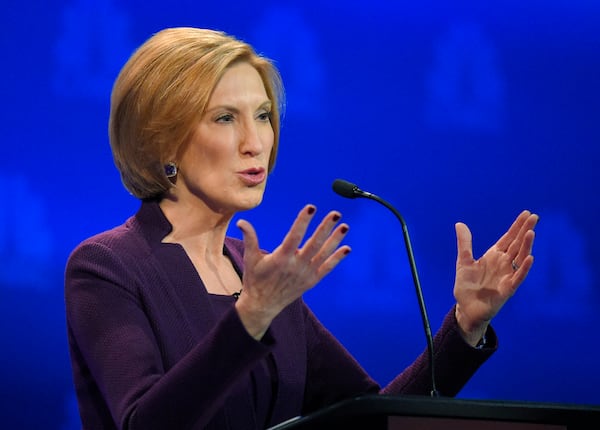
{"type": "Point", "coordinates": [311, 210]}
{"type": "Point", "coordinates": [336, 218]}
{"type": "Point", "coordinates": [344, 230]}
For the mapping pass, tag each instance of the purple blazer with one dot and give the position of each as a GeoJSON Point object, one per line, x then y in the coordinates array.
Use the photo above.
{"type": "Point", "coordinates": [151, 349]}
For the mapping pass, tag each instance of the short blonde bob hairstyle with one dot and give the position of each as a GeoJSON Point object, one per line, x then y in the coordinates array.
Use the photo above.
{"type": "Point", "coordinates": [163, 90]}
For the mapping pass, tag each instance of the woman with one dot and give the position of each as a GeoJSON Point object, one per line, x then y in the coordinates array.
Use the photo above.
{"type": "Point", "coordinates": [171, 323]}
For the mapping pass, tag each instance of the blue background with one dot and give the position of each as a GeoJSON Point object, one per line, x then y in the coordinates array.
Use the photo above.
{"type": "Point", "coordinates": [452, 111]}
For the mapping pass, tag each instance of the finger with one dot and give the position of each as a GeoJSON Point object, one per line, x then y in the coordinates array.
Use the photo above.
{"type": "Point", "coordinates": [322, 233]}
{"type": "Point", "coordinates": [330, 245]}
{"type": "Point", "coordinates": [464, 244]}
{"type": "Point", "coordinates": [507, 238]}
{"type": "Point", "coordinates": [296, 233]}
{"type": "Point", "coordinates": [333, 260]}
{"type": "Point", "coordinates": [526, 246]}
{"type": "Point", "coordinates": [251, 245]}
{"type": "Point", "coordinates": [521, 273]}
{"type": "Point", "coordinates": [520, 248]}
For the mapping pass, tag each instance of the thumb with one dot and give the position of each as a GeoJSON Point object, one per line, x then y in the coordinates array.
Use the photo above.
{"type": "Point", "coordinates": [464, 244]}
{"type": "Point", "coordinates": [251, 246]}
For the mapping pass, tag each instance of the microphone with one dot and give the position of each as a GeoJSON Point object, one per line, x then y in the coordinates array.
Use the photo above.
{"type": "Point", "coordinates": [351, 191]}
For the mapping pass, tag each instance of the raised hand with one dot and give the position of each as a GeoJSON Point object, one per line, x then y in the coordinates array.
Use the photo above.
{"type": "Point", "coordinates": [272, 281]}
{"type": "Point", "coordinates": [483, 286]}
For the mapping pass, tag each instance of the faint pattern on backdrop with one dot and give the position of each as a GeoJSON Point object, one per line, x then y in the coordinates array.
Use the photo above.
{"type": "Point", "coordinates": [465, 88]}
{"type": "Point", "coordinates": [92, 45]}
{"type": "Point", "coordinates": [451, 114]}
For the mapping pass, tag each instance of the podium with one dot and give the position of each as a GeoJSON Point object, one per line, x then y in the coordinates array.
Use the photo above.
{"type": "Point", "coordinates": [379, 412]}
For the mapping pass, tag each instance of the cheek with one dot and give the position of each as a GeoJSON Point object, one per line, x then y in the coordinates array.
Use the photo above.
{"type": "Point", "coordinates": [268, 138]}
{"type": "Point", "coordinates": [213, 152]}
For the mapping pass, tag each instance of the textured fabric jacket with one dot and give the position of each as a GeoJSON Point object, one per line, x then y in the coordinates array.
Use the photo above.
{"type": "Point", "coordinates": [151, 349]}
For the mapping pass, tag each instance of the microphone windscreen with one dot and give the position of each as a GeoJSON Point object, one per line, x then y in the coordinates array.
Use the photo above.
{"type": "Point", "coordinates": [345, 188]}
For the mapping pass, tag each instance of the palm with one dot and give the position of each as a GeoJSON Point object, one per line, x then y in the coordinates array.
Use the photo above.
{"type": "Point", "coordinates": [483, 286]}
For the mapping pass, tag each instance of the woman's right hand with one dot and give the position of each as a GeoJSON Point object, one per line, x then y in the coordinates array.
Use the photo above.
{"type": "Point", "coordinates": [271, 281]}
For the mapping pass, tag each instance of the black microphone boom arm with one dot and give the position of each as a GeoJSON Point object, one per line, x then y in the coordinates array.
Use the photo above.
{"type": "Point", "coordinates": [351, 191]}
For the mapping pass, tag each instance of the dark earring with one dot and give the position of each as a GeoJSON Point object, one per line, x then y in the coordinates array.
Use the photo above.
{"type": "Point", "coordinates": [171, 169]}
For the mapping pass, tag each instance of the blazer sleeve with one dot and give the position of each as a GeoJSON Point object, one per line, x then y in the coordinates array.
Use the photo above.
{"type": "Point", "coordinates": [334, 375]}
{"type": "Point", "coordinates": [455, 362]}
{"type": "Point", "coordinates": [115, 348]}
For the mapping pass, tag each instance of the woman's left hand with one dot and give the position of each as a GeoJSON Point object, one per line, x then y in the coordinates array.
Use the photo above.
{"type": "Point", "coordinates": [483, 286]}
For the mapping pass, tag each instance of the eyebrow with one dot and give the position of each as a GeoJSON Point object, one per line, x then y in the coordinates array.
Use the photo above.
{"type": "Point", "coordinates": [263, 105]}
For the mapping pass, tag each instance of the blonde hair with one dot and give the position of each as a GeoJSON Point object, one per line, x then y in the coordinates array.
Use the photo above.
{"type": "Point", "coordinates": [162, 91]}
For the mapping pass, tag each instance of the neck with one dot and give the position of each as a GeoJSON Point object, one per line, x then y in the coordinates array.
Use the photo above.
{"type": "Point", "coordinates": [196, 226]}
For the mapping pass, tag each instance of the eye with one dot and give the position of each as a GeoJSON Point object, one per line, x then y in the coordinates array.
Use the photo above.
{"type": "Point", "coordinates": [264, 116]}
{"type": "Point", "coordinates": [227, 117]}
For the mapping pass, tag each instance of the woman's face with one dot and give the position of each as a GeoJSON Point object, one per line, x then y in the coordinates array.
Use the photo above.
{"type": "Point", "coordinates": [225, 162]}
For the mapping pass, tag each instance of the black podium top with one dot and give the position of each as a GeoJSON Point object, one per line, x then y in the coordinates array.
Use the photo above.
{"type": "Point", "coordinates": [375, 412]}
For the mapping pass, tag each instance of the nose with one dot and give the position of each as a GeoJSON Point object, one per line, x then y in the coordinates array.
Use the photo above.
{"type": "Point", "coordinates": [255, 137]}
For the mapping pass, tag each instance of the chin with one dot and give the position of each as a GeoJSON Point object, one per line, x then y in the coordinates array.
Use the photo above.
{"type": "Point", "coordinates": [251, 203]}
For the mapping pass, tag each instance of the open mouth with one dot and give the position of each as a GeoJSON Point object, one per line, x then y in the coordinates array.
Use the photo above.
{"type": "Point", "coordinates": [253, 176]}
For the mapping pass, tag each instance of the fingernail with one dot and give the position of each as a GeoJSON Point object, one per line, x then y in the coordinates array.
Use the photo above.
{"type": "Point", "coordinates": [311, 210]}
{"type": "Point", "coordinates": [347, 251]}
{"type": "Point", "coordinates": [344, 230]}
{"type": "Point", "coordinates": [336, 217]}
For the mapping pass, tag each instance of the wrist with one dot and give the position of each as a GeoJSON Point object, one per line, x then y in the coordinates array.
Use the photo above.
{"type": "Point", "coordinates": [472, 332]}
{"type": "Point", "coordinates": [255, 322]}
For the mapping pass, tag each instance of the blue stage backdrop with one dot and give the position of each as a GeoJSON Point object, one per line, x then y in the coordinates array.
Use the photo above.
{"type": "Point", "coordinates": [452, 111]}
